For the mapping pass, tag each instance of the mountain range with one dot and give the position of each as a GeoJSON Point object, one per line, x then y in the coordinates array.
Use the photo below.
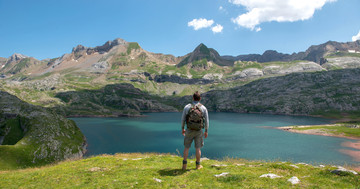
{"type": "Point", "coordinates": [114, 52]}
{"type": "Point", "coordinates": [88, 81]}
{"type": "Point", "coordinates": [315, 53]}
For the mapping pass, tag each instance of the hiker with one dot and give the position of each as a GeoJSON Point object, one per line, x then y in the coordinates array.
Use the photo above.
{"type": "Point", "coordinates": [196, 117]}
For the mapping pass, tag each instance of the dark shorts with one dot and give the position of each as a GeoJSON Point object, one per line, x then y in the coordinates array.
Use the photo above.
{"type": "Point", "coordinates": [197, 136]}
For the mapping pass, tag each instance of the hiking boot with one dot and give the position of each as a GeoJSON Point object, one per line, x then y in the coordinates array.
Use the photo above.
{"type": "Point", "coordinates": [184, 165]}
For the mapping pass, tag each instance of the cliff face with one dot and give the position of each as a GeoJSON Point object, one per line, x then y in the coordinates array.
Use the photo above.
{"type": "Point", "coordinates": [113, 100]}
{"type": "Point", "coordinates": [31, 135]}
{"type": "Point", "coordinates": [297, 93]}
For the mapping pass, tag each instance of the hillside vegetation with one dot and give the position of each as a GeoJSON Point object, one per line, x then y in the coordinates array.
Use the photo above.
{"type": "Point", "coordinates": [351, 130]}
{"type": "Point", "coordinates": [321, 93]}
{"type": "Point", "coordinates": [31, 136]}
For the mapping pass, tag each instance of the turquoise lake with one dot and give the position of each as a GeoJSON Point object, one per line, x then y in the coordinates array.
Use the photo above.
{"type": "Point", "coordinates": [230, 135]}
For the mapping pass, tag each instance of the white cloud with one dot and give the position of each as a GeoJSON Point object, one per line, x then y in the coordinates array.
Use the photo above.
{"type": "Point", "coordinates": [217, 29]}
{"type": "Point", "coordinates": [221, 8]}
{"type": "Point", "coordinates": [200, 23]}
{"type": "Point", "coordinates": [356, 37]}
{"type": "Point", "coordinates": [259, 11]}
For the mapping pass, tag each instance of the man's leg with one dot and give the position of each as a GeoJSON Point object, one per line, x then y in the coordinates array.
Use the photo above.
{"type": "Point", "coordinates": [198, 156]}
{"type": "Point", "coordinates": [186, 153]}
{"type": "Point", "coordinates": [199, 142]}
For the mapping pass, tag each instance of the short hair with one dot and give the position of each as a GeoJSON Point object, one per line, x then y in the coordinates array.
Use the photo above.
{"type": "Point", "coordinates": [196, 96]}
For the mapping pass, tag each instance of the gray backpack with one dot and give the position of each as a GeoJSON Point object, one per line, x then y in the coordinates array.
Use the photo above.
{"type": "Point", "coordinates": [194, 119]}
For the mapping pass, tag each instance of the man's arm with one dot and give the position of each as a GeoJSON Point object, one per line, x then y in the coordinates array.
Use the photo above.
{"type": "Point", "coordinates": [183, 119]}
{"type": "Point", "coordinates": [206, 121]}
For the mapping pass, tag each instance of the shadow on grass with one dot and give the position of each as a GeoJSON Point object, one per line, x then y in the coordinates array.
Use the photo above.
{"type": "Point", "coordinates": [171, 172]}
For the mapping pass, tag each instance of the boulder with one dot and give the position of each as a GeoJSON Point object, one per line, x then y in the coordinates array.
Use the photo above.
{"type": "Point", "coordinates": [270, 175]}
{"type": "Point", "coordinates": [253, 72]}
{"type": "Point", "coordinates": [342, 171]}
{"type": "Point", "coordinates": [221, 175]}
{"type": "Point", "coordinates": [342, 62]}
{"type": "Point", "coordinates": [294, 180]}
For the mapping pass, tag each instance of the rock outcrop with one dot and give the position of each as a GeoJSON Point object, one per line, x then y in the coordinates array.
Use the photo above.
{"type": "Point", "coordinates": [16, 57]}
{"type": "Point", "coordinates": [342, 171]}
{"type": "Point", "coordinates": [80, 50]}
{"type": "Point", "coordinates": [342, 63]}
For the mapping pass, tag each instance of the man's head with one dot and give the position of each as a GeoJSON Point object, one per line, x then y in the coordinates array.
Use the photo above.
{"type": "Point", "coordinates": [196, 96]}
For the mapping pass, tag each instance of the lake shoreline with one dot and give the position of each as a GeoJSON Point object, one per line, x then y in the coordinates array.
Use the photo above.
{"type": "Point", "coordinates": [354, 152]}
{"type": "Point", "coordinates": [105, 116]}
{"type": "Point", "coordinates": [315, 131]}
{"type": "Point", "coordinates": [142, 114]}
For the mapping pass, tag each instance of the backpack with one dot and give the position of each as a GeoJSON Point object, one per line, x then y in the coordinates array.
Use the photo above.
{"type": "Point", "coordinates": [194, 119]}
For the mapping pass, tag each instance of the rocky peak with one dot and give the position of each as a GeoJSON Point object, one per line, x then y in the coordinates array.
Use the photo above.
{"type": "Point", "coordinates": [106, 47]}
{"type": "Point", "coordinates": [203, 52]}
{"type": "Point", "coordinates": [79, 48]}
{"type": "Point", "coordinates": [271, 55]}
{"type": "Point", "coordinates": [317, 52]}
{"type": "Point", "coordinates": [17, 57]}
{"type": "Point", "coordinates": [109, 45]}
{"type": "Point", "coordinates": [118, 41]}
{"type": "Point", "coordinates": [202, 49]}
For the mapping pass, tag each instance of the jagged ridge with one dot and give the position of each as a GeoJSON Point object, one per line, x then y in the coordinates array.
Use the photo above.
{"type": "Point", "coordinates": [315, 53]}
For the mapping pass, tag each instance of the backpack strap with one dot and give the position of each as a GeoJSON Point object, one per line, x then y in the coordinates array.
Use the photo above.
{"type": "Point", "coordinates": [199, 107]}
{"type": "Point", "coordinates": [196, 105]}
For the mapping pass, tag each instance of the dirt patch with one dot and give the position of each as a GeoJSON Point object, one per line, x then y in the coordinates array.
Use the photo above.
{"type": "Point", "coordinates": [355, 145]}
{"type": "Point", "coordinates": [356, 169]}
{"type": "Point", "coordinates": [353, 153]}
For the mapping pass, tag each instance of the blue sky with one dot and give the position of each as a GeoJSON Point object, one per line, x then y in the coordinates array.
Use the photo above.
{"type": "Point", "coordinates": [50, 28]}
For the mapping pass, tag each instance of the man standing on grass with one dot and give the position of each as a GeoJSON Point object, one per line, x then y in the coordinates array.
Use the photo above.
{"type": "Point", "coordinates": [196, 117]}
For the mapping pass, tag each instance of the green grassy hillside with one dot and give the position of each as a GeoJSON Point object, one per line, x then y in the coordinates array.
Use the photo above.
{"type": "Point", "coordinates": [34, 136]}
{"type": "Point", "coordinates": [340, 129]}
{"type": "Point", "coordinates": [163, 171]}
